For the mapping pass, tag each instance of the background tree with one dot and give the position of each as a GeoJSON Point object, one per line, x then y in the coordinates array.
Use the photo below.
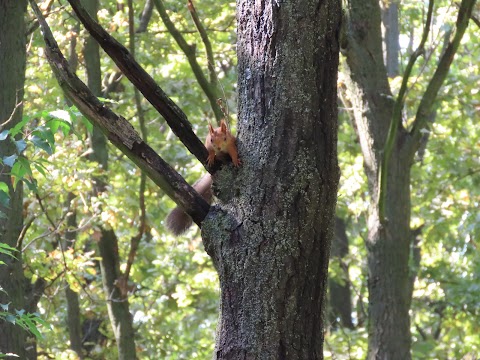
{"type": "Point", "coordinates": [12, 77]}
{"type": "Point", "coordinates": [389, 146]}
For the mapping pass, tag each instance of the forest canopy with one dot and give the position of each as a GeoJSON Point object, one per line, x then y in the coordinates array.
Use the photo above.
{"type": "Point", "coordinates": [78, 188]}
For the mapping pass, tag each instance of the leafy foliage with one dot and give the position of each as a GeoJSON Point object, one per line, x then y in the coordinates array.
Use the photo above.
{"type": "Point", "coordinates": [174, 287]}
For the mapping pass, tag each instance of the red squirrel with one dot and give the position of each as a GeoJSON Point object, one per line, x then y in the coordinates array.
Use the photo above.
{"type": "Point", "coordinates": [219, 142]}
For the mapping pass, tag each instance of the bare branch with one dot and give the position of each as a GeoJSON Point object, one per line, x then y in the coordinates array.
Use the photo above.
{"type": "Point", "coordinates": [208, 88]}
{"type": "Point", "coordinates": [205, 40]}
{"type": "Point", "coordinates": [173, 115]}
{"type": "Point", "coordinates": [428, 99]}
{"type": "Point", "coordinates": [145, 17]}
{"type": "Point", "coordinates": [18, 104]}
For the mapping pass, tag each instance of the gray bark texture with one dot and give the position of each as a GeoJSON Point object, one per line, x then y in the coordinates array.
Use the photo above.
{"type": "Point", "coordinates": [269, 236]}
{"type": "Point", "coordinates": [12, 78]}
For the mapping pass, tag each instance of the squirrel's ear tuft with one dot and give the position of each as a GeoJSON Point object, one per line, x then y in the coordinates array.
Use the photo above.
{"type": "Point", "coordinates": [223, 126]}
{"type": "Point", "coordinates": [210, 129]}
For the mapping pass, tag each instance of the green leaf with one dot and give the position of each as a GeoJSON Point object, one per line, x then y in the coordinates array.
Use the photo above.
{"type": "Point", "coordinates": [21, 145]}
{"type": "Point", "coordinates": [56, 124]}
{"type": "Point", "coordinates": [31, 326]}
{"type": "Point", "coordinates": [45, 134]}
{"type": "Point", "coordinates": [18, 172]}
{"type": "Point", "coordinates": [40, 168]}
{"type": "Point", "coordinates": [17, 128]}
{"type": "Point", "coordinates": [7, 250]}
{"type": "Point", "coordinates": [26, 164]}
{"type": "Point", "coordinates": [4, 134]}
{"type": "Point", "coordinates": [32, 185]}
{"type": "Point", "coordinates": [10, 160]}
{"type": "Point", "coordinates": [42, 144]}
{"type": "Point", "coordinates": [87, 124]}
{"type": "Point", "coordinates": [63, 115]}
{"type": "Point", "coordinates": [10, 318]}
{"type": "Point", "coordinates": [4, 187]}
{"type": "Point", "coordinates": [4, 195]}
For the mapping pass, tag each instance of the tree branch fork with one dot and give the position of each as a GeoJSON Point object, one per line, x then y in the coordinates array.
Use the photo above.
{"type": "Point", "coordinates": [115, 127]}
{"type": "Point", "coordinates": [427, 102]}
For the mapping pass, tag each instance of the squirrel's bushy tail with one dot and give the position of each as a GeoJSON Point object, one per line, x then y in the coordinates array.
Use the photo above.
{"type": "Point", "coordinates": [178, 221]}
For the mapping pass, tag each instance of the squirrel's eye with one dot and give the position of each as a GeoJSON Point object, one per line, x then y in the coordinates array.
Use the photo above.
{"type": "Point", "coordinates": [224, 138]}
{"type": "Point", "coordinates": [211, 140]}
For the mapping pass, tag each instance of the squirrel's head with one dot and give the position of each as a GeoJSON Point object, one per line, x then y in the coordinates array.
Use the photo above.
{"type": "Point", "coordinates": [218, 136]}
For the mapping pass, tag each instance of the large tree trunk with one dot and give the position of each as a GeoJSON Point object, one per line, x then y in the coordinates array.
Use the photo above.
{"type": "Point", "coordinates": [12, 78]}
{"type": "Point", "coordinates": [269, 238]}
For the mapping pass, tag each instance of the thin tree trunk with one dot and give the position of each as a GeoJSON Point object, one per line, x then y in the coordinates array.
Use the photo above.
{"type": "Point", "coordinates": [12, 78]}
{"type": "Point", "coordinates": [117, 305]}
{"type": "Point", "coordinates": [74, 325]}
{"type": "Point", "coordinates": [340, 294]}
{"type": "Point", "coordinates": [388, 247]}
{"type": "Point", "coordinates": [392, 36]}
{"type": "Point", "coordinates": [73, 307]}
{"type": "Point", "coordinates": [270, 235]}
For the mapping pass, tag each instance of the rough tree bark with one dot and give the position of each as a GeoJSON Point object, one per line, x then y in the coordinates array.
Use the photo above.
{"type": "Point", "coordinates": [374, 110]}
{"type": "Point", "coordinates": [12, 78]}
{"type": "Point", "coordinates": [269, 236]}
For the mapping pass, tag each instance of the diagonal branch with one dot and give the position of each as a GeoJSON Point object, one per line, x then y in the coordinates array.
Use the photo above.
{"type": "Point", "coordinates": [472, 16]}
{"type": "Point", "coordinates": [119, 131]}
{"type": "Point", "coordinates": [426, 104]}
{"type": "Point", "coordinates": [209, 88]}
{"type": "Point", "coordinates": [205, 40]}
{"type": "Point", "coordinates": [395, 123]}
{"type": "Point", "coordinates": [173, 115]}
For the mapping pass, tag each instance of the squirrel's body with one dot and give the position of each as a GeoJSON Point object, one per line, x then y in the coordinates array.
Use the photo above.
{"type": "Point", "coordinates": [219, 142]}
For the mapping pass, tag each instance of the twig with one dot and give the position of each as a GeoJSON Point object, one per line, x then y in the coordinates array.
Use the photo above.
{"type": "Point", "coordinates": [12, 114]}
